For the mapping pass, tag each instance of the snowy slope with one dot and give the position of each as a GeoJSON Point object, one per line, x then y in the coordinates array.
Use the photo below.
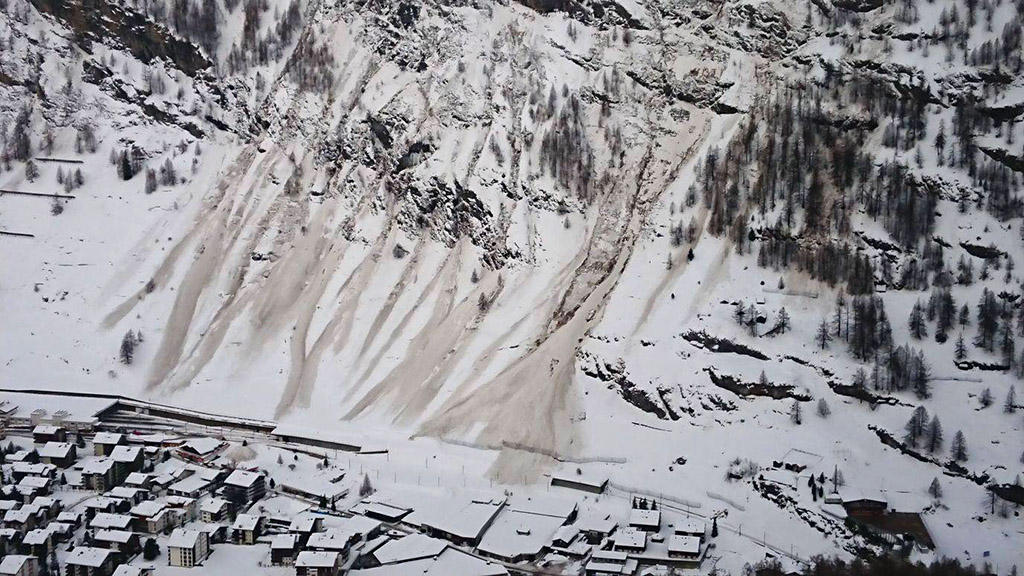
{"type": "Point", "coordinates": [456, 220]}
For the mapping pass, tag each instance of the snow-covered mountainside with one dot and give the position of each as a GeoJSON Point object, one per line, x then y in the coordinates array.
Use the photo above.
{"type": "Point", "coordinates": [604, 231]}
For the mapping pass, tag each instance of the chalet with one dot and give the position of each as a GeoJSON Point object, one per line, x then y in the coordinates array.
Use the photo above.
{"type": "Point", "coordinates": [19, 565]}
{"type": "Point", "coordinates": [100, 504]}
{"type": "Point", "coordinates": [105, 520]}
{"type": "Point", "coordinates": [214, 510]}
{"type": "Point", "coordinates": [305, 525]}
{"type": "Point", "coordinates": [99, 474]}
{"type": "Point", "coordinates": [6, 505]}
{"type": "Point", "coordinates": [20, 470]}
{"type": "Point", "coordinates": [332, 540]}
{"type": "Point", "coordinates": [215, 533]}
{"type": "Point", "coordinates": [186, 509]}
{"type": "Point", "coordinates": [608, 563]}
{"type": "Point", "coordinates": [187, 548]}
{"type": "Point", "coordinates": [131, 495]}
{"type": "Point", "coordinates": [595, 530]}
{"type": "Point", "coordinates": [247, 528]}
{"type": "Point", "coordinates": [646, 520]}
{"type": "Point", "coordinates": [29, 456]}
{"type": "Point", "coordinates": [191, 486]}
{"type": "Point", "coordinates": [580, 481]}
{"type": "Point", "coordinates": [244, 486]}
{"type": "Point", "coordinates": [89, 561]}
{"type": "Point", "coordinates": [122, 541]}
{"type": "Point", "coordinates": [49, 507]}
{"type": "Point", "coordinates": [70, 517]}
{"type": "Point", "coordinates": [104, 442]}
{"type": "Point", "coordinates": [151, 517]}
{"type": "Point", "coordinates": [32, 486]}
{"type": "Point", "coordinates": [630, 540]}
{"type": "Point", "coordinates": [138, 480]}
{"type": "Point", "coordinates": [283, 549]}
{"type": "Point", "coordinates": [201, 449]}
{"type": "Point", "coordinates": [38, 543]}
{"type": "Point", "coordinates": [61, 531]}
{"type": "Point", "coordinates": [44, 433]}
{"type": "Point", "coordinates": [127, 459]}
{"type": "Point", "coordinates": [682, 547]}
{"type": "Point", "coordinates": [310, 563]}
{"type": "Point", "coordinates": [862, 504]}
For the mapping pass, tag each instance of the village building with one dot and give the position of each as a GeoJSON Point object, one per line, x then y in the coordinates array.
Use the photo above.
{"type": "Point", "coordinates": [243, 486]}
{"type": "Point", "coordinates": [595, 529]}
{"type": "Point", "coordinates": [215, 533]}
{"type": "Point", "coordinates": [30, 456]}
{"type": "Point", "coordinates": [103, 443]}
{"type": "Point", "coordinates": [201, 449]}
{"type": "Point", "coordinates": [305, 525]}
{"type": "Point", "coordinates": [187, 509]}
{"type": "Point", "coordinates": [127, 459]}
{"type": "Point", "coordinates": [19, 565]}
{"type": "Point", "coordinates": [310, 563]}
{"type": "Point", "coordinates": [187, 548]}
{"type": "Point", "coordinates": [684, 547]}
{"type": "Point", "coordinates": [131, 495]}
{"type": "Point", "coordinates": [151, 517]}
{"type": "Point", "coordinates": [138, 480]}
{"type": "Point", "coordinates": [283, 549]}
{"type": "Point", "coordinates": [381, 511]}
{"type": "Point", "coordinates": [32, 486]}
{"type": "Point", "coordinates": [691, 527]}
{"type": "Point", "coordinates": [609, 563]}
{"type": "Point", "coordinates": [128, 570]}
{"type": "Point", "coordinates": [99, 474]}
{"type": "Point", "coordinates": [38, 543]}
{"type": "Point", "coordinates": [462, 523]}
{"type": "Point", "coordinates": [646, 520]}
{"type": "Point", "coordinates": [20, 470]}
{"type": "Point", "coordinates": [122, 541]}
{"type": "Point", "coordinates": [70, 517]}
{"type": "Point", "coordinates": [246, 528]}
{"type": "Point", "coordinates": [108, 521]}
{"type": "Point", "coordinates": [214, 510]}
{"type": "Point", "coordinates": [44, 433]}
{"type": "Point", "coordinates": [629, 540]}
{"type": "Point", "coordinates": [580, 481]}
{"type": "Point", "coordinates": [90, 561]}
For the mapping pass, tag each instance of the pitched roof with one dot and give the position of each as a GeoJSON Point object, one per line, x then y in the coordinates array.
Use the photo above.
{"type": "Point", "coordinates": [308, 559]}
{"type": "Point", "coordinates": [182, 538]}
{"type": "Point", "coordinates": [242, 478]}
{"type": "Point", "coordinates": [56, 450]}
{"type": "Point", "coordinates": [88, 556]}
{"type": "Point", "coordinates": [107, 438]}
{"type": "Point", "coordinates": [125, 453]}
{"type": "Point", "coordinates": [246, 522]}
{"type": "Point", "coordinates": [12, 563]}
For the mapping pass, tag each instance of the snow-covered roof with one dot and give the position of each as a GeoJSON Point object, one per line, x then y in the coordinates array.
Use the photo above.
{"type": "Point", "coordinates": [190, 484]}
{"type": "Point", "coordinates": [34, 482]}
{"type": "Point", "coordinates": [411, 547]}
{"type": "Point", "coordinates": [107, 520]}
{"type": "Point", "coordinates": [213, 505]}
{"type": "Point", "coordinates": [284, 541]}
{"type": "Point", "coordinates": [125, 453]}
{"type": "Point", "coordinates": [303, 523]}
{"type": "Point", "coordinates": [124, 492]}
{"type": "Point", "coordinates": [645, 518]}
{"type": "Point", "coordinates": [448, 562]}
{"type": "Point", "coordinates": [465, 519]}
{"type": "Point", "coordinates": [246, 522]}
{"type": "Point", "coordinates": [146, 509]}
{"type": "Point", "coordinates": [136, 479]}
{"type": "Point", "coordinates": [36, 537]}
{"type": "Point", "coordinates": [242, 478]}
{"type": "Point", "coordinates": [519, 533]}
{"type": "Point", "coordinates": [98, 466]}
{"type": "Point", "coordinates": [46, 429]}
{"type": "Point", "coordinates": [69, 516]}
{"type": "Point", "coordinates": [56, 450]}
{"type": "Point", "coordinates": [678, 543]}
{"type": "Point", "coordinates": [690, 526]}
{"type": "Point", "coordinates": [330, 539]}
{"type": "Point", "coordinates": [6, 505]}
{"type": "Point", "coordinates": [119, 536]}
{"type": "Point", "coordinates": [357, 524]}
{"type": "Point", "coordinates": [630, 538]}
{"type": "Point", "coordinates": [128, 570]}
{"type": "Point", "coordinates": [582, 478]}
{"type": "Point", "coordinates": [596, 524]}
{"type": "Point", "coordinates": [183, 538]}
{"type": "Point", "coordinates": [543, 504]}
{"type": "Point", "coordinates": [203, 446]}
{"type": "Point", "coordinates": [40, 469]}
{"type": "Point", "coordinates": [12, 563]}
{"type": "Point", "coordinates": [310, 559]}
{"type": "Point", "coordinates": [88, 556]}
{"type": "Point", "coordinates": [107, 438]}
